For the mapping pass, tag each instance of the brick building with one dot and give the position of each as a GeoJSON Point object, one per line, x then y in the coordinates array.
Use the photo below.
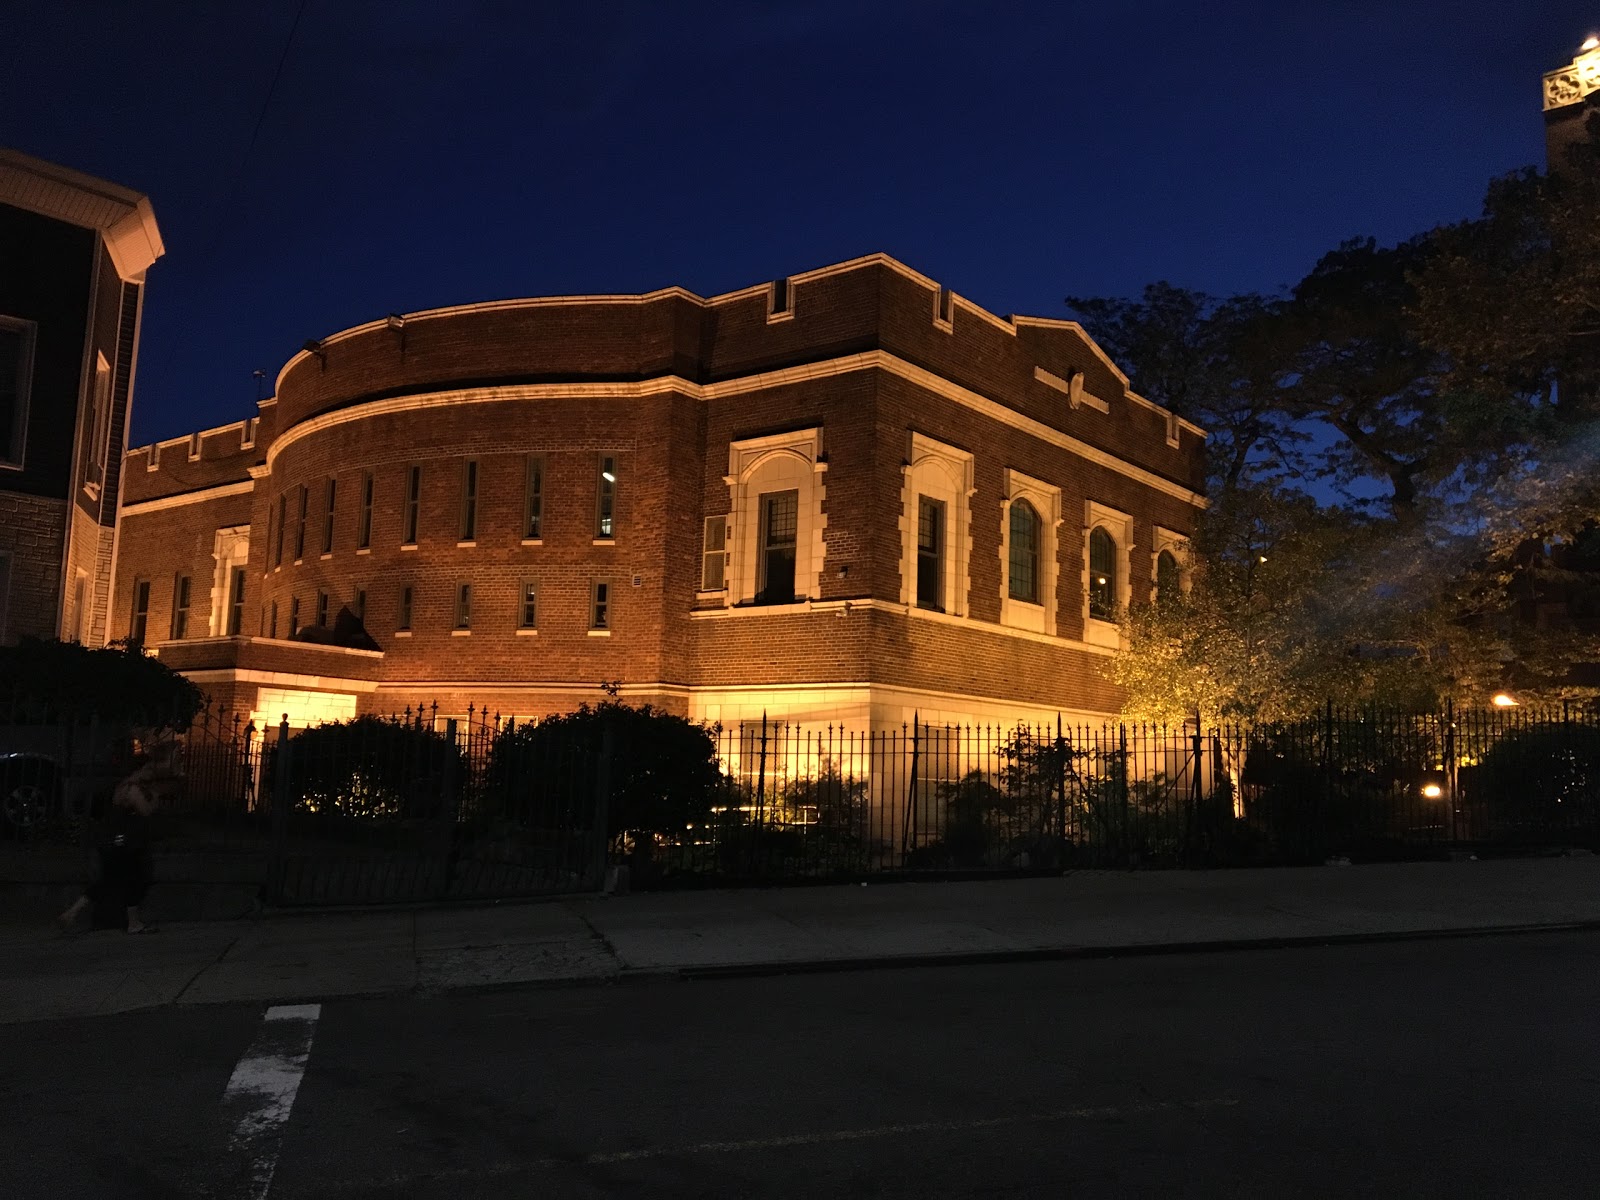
{"type": "Point", "coordinates": [73, 255]}
{"type": "Point", "coordinates": [843, 496]}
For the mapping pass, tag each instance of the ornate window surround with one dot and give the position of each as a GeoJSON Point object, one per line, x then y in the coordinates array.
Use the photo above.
{"type": "Point", "coordinates": [1120, 526]}
{"type": "Point", "coordinates": [775, 463]}
{"type": "Point", "coordinates": [1046, 501]}
{"type": "Point", "coordinates": [1161, 539]}
{"type": "Point", "coordinates": [940, 472]}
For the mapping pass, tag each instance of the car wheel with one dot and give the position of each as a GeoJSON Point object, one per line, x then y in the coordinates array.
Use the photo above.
{"type": "Point", "coordinates": [25, 806]}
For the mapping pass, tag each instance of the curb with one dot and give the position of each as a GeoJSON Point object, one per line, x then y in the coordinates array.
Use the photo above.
{"type": "Point", "coordinates": [891, 962]}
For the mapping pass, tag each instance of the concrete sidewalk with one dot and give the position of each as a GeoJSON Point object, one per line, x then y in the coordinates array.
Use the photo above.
{"type": "Point", "coordinates": [706, 934]}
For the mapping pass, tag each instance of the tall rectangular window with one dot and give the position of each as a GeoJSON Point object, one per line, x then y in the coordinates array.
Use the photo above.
{"type": "Point", "coordinates": [16, 377]}
{"type": "Point", "coordinates": [413, 502]}
{"type": "Point", "coordinates": [403, 624]}
{"type": "Point", "coordinates": [236, 602]}
{"type": "Point", "coordinates": [327, 517]}
{"type": "Point", "coordinates": [600, 606]}
{"type": "Point", "coordinates": [930, 553]}
{"type": "Point", "coordinates": [180, 607]}
{"type": "Point", "coordinates": [463, 606]}
{"type": "Point", "coordinates": [322, 609]}
{"type": "Point", "coordinates": [80, 587]}
{"type": "Point", "coordinates": [780, 524]}
{"type": "Point", "coordinates": [606, 498]}
{"type": "Point", "coordinates": [530, 605]}
{"type": "Point", "coordinates": [714, 555]}
{"type": "Point", "coordinates": [533, 499]}
{"type": "Point", "coordinates": [364, 529]}
{"type": "Point", "coordinates": [300, 524]}
{"type": "Point", "coordinates": [140, 625]}
{"type": "Point", "coordinates": [360, 606]}
{"type": "Point", "coordinates": [468, 528]}
{"type": "Point", "coordinates": [272, 629]}
{"type": "Point", "coordinates": [283, 519]}
{"type": "Point", "coordinates": [294, 615]}
{"type": "Point", "coordinates": [99, 429]}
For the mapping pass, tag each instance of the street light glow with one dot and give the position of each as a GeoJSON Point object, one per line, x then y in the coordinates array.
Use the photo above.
{"type": "Point", "coordinates": [1501, 700]}
{"type": "Point", "coordinates": [1432, 791]}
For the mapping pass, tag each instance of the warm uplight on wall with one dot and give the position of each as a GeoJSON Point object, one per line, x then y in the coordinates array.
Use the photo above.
{"type": "Point", "coordinates": [1432, 791]}
{"type": "Point", "coordinates": [1501, 700]}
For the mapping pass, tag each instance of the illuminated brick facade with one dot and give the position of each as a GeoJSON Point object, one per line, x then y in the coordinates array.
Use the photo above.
{"type": "Point", "coordinates": [845, 496]}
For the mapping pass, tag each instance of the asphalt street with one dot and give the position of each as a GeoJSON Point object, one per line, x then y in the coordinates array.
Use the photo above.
{"type": "Point", "coordinates": [1458, 1068]}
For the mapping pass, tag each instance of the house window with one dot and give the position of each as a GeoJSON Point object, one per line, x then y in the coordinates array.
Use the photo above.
{"type": "Point", "coordinates": [780, 518]}
{"type": "Point", "coordinates": [294, 615]}
{"type": "Point", "coordinates": [464, 606]}
{"type": "Point", "coordinates": [360, 606]}
{"type": "Point", "coordinates": [236, 602]}
{"type": "Point", "coordinates": [714, 556]}
{"type": "Point", "coordinates": [530, 605]}
{"type": "Point", "coordinates": [775, 535]}
{"type": "Point", "coordinates": [76, 625]}
{"type": "Point", "coordinates": [467, 529]}
{"type": "Point", "coordinates": [327, 518]}
{"type": "Point", "coordinates": [606, 498]}
{"type": "Point", "coordinates": [404, 622]}
{"type": "Point", "coordinates": [778, 300]}
{"type": "Point", "coordinates": [1022, 579]}
{"type": "Point", "coordinates": [180, 608]}
{"type": "Point", "coordinates": [1028, 553]}
{"type": "Point", "coordinates": [140, 625]}
{"type": "Point", "coordinates": [364, 529]}
{"type": "Point", "coordinates": [600, 606]}
{"type": "Point", "coordinates": [413, 503]}
{"type": "Point", "coordinates": [1168, 580]}
{"type": "Point", "coordinates": [930, 553]}
{"type": "Point", "coordinates": [1102, 575]}
{"type": "Point", "coordinates": [16, 376]}
{"type": "Point", "coordinates": [272, 630]}
{"type": "Point", "coordinates": [322, 609]}
{"type": "Point", "coordinates": [283, 519]}
{"type": "Point", "coordinates": [99, 423]}
{"type": "Point", "coordinates": [300, 525]}
{"type": "Point", "coordinates": [533, 499]}
{"type": "Point", "coordinates": [194, 447]}
{"type": "Point", "coordinates": [944, 309]}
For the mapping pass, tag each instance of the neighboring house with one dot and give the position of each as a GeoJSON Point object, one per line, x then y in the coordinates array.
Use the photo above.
{"type": "Point", "coordinates": [73, 256]}
{"type": "Point", "coordinates": [846, 496]}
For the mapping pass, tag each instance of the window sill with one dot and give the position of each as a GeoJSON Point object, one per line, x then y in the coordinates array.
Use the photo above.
{"type": "Point", "coordinates": [532, 541]}
{"type": "Point", "coordinates": [402, 633]}
{"type": "Point", "coordinates": [599, 633]}
{"type": "Point", "coordinates": [467, 545]}
{"type": "Point", "coordinates": [1025, 614]}
{"type": "Point", "coordinates": [527, 633]}
{"type": "Point", "coordinates": [408, 545]}
{"type": "Point", "coordinates": [1098, 632]}
{"type": "Point", "coordinates": [298, 561]}
{"type": "Point", "coordinates": [461, 633]}
{"type": "Point", "coordinates": [325, 555]}
{"type": "Point", "coordinates": [720, 595]}
{"type": "Point", "coordinates": [605, 541]}
{"type": "Point", "coordinates": [364, 550]}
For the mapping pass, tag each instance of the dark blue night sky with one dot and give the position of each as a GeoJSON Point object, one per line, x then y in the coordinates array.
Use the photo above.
{"type": "Point", "coordinates": [1016, 152]}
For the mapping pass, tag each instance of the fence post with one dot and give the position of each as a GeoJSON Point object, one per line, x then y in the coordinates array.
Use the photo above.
{"type": "Point", "coordinates": [1200, 814]}
{"type": "Point", "coordinates": [1061, 795]}
{"type": "Point", "coordinates": [602, 805]}
{"type": "Point", "coordinates": [450, 799]}
{"type": "Point", "coordinates": [911, 786]}
{"type": "Point", "coordinates": [278, 861]}
{"type": "Point", "coordinates": [1451, 797]}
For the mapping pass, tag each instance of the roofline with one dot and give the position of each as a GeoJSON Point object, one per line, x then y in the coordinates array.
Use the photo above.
{"type": "Point", "coordinates": [132, 237]}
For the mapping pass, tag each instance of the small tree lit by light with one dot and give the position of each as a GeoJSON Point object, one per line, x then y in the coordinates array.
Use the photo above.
{"type": "Point", "coordinates": [1502, 700]}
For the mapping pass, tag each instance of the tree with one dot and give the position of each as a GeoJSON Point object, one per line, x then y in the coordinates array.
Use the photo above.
{"type": "Point", "coordinates": [46, 680]}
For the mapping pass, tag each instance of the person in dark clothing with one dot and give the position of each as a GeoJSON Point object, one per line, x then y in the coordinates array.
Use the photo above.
{"type": "Point", "coordinates": [124, 853]}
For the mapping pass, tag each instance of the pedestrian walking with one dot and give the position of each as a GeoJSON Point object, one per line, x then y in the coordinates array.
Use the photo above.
{"type": "Point", "coordinates": [118, 889]}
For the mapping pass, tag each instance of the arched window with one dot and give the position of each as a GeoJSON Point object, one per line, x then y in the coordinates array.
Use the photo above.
{"type": "Point", "coordinates": [1102, 575]}
{"type": "Point", "coordinates": [1168, 585]}
{"type": "Point", "coordinates": [1023, 577]}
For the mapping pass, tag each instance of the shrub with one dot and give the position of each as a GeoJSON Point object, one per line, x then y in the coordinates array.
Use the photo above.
{"type": "Point", "coordinates": [1541, 781]}
{"type": "Point", "coordinates": [372, 767]}
{"type": "Point", "coordinates": [664, 773]}
{"type": "Point", "coordinates": [48, 681]}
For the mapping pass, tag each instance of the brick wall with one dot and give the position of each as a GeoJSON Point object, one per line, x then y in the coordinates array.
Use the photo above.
{"type": "Point", "coordinates": [33, 532]}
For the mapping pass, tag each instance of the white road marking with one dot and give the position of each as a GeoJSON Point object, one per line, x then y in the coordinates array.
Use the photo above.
{"type": "Point", "coordinates": [262, 1090]}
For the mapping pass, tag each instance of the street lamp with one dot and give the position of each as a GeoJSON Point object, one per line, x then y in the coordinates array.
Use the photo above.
{"type": "Point", "coordinates": [1502, 700]}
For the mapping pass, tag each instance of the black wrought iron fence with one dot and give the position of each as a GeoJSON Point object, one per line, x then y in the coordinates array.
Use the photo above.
{"type": "Point", "coordinates": [418, 805]}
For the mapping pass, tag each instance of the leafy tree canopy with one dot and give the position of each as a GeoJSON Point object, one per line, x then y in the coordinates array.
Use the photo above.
{"type": "Point", "coordinates": [49, 679]}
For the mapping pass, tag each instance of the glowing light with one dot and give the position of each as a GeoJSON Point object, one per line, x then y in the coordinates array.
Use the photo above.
{"type": "Point", "coordinates": [1501, 700]}
{"type": "Point", "coordinates": [608, 476]}
{"type": "Point", "coordinates": [1100, 579]}
{"type": "Point", "coordinates": [1262, 558]}
{"type": "Point", "coordinates": [1432, 791]}
{"type": "Point", "coordinates": [1590, 43]}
